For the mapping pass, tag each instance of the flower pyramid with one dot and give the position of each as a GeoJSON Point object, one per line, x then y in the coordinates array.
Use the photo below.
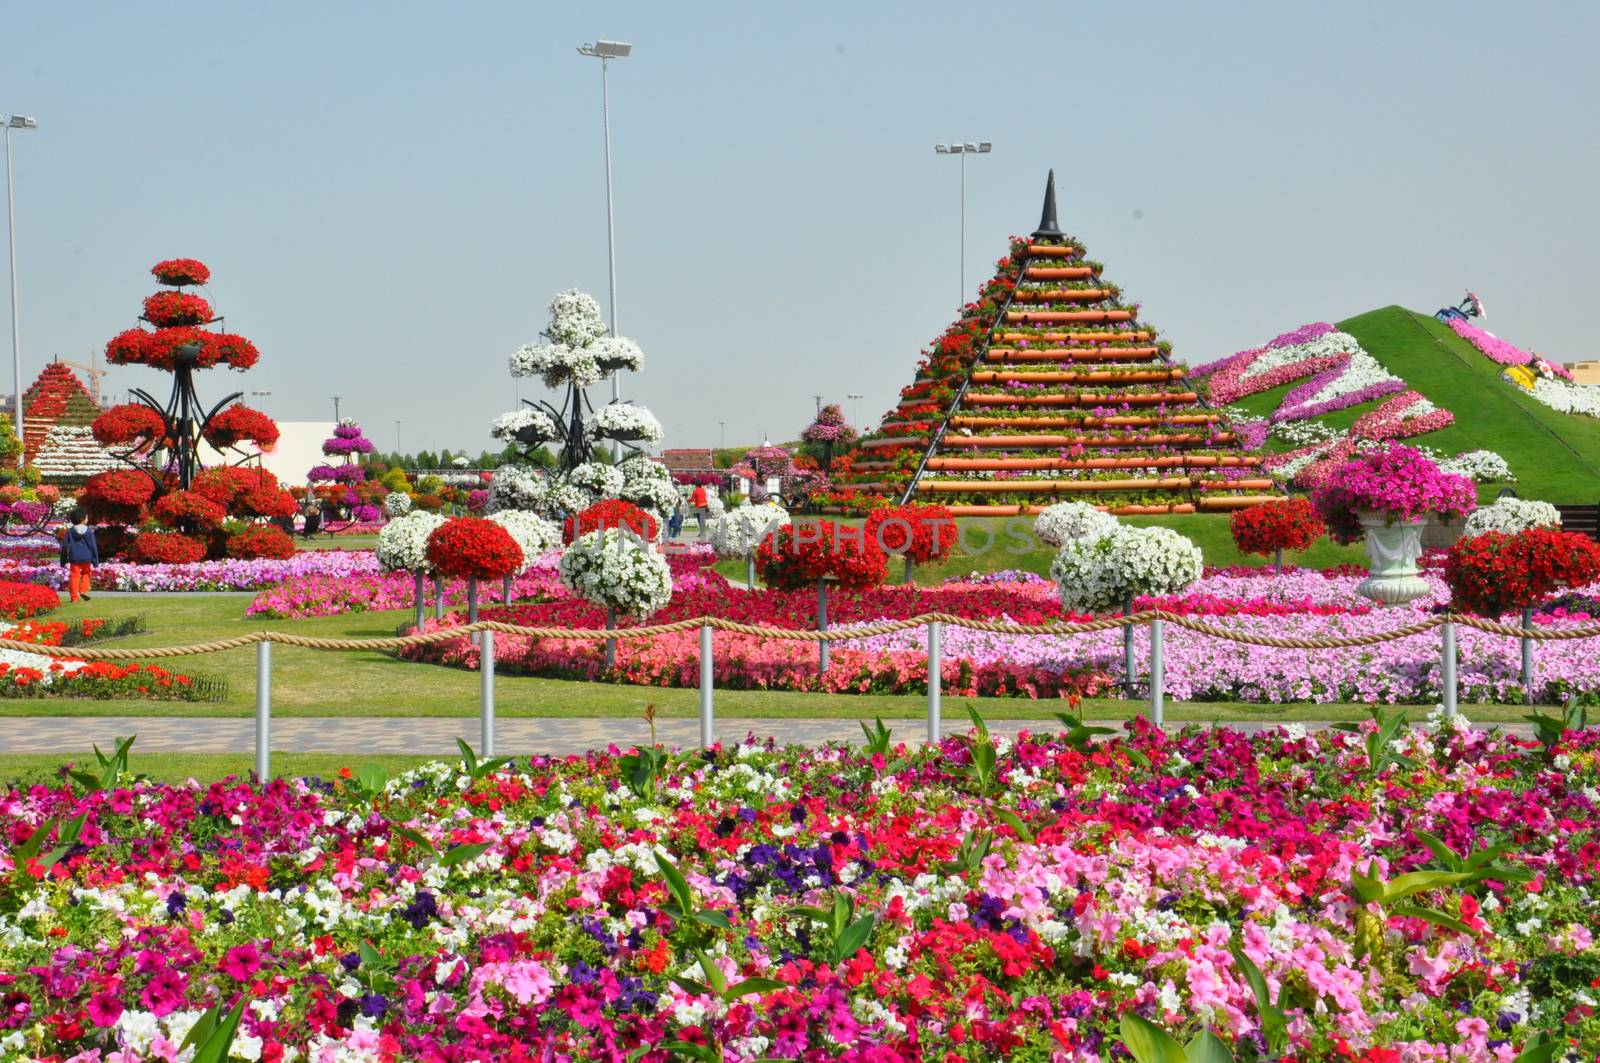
{"type": "Point", "coordinates": [1050, 387]}
{"type": "Point", "coordinates": [57, 411]}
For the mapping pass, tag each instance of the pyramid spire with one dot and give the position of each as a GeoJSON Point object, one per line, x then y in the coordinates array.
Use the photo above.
{"type": "Point", "coordinates": [1047, 217]}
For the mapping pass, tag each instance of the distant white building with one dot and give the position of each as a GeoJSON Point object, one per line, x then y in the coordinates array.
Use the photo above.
{"type": "Point", "coordinates": [299, 448]}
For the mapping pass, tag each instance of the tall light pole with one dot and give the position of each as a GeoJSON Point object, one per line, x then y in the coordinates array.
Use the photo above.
{"type": "Point", "coordinates": [17, 121]}
{"type": "Point", "coordinates": [982, 147]}
{"type": "Point", "coordinates": [722, 435]}
{"type": "Point", "coordinates": [855, 409]}
{"type": "Point", "coordinates": [336, 399]}
{"type": "Point", "coordinates": [397, 438]}
{"type": "Point", "coordinates": [605, 51]}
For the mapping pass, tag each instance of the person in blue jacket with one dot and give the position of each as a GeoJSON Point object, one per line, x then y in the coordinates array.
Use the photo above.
{"type": "Point", "coordinates": [80, 553]}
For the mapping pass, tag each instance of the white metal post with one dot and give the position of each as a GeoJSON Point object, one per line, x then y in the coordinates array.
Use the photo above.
{"type": "Point", "coordinates": [1527, 654]}
{"type": "Point", "coordinates": [486, 694]}
{"type": "Point", "coordinates": [963, 300]}
{"type": "Point", "coordinates": [1447, 666]}
{"type": "Point", "coordinates": [263, 710]}
{"type": "Point", "coordinates": [420, 605]}
{"type": "Point", "coordinates": [935, 680]}
{"type": "Point", "coordinates": [822, 624]}
{"type": "Point", "coordinates": [707, 721]}
{"type": "Point", "coordinates": [1158, 675]}
{"type": "Point", "coordinates": [611, 237]}
{"type": "Point", "coordinates": [16, 327]}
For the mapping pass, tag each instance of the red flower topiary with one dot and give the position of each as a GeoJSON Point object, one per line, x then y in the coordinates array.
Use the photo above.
{"type": "Point", "coordinates": [160, 349]}
{"type": "Point", "coordinates": [116, 497]}
{"type": "Point", "coordinates": [167, 309]}
{"type": "Point", "coordinates": [238, 423]}
{"type": "Point", "coordinates": [128, 424]}
{"type": "Point", "coordinates": [245, 492]}
{"type": "Point", "coordinates": [473, 548]}
{"type": "Point", "coordinates": [167, 548]}
{"type": "Point", "coordinates": [181, 271]}
{"type": "Point", "coordinates": [1290, 524]}
{"type": "Point", "coordinates": [921, 532]}
{"type": "Point", "coordinates": [21, 600]}
{"type": "Point", "coordinates": [260, 540]}
{"type": "Point", "coordinates": [188, 509]}
{"type": "Point", "coordinates": [1495, 573]}
{"type": "Point", "coordinates": [796, 556]}
{"type": "Point", "coordinates": [610, 513]}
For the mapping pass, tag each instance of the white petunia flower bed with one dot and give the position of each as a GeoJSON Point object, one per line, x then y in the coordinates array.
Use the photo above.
{"type": "Point", "coordinates": [1099, 575]}
{"type": "Point", "coordinates": [403, 542]}
{"type": "Point", "coordinates": [612, 570]}
{"type": "Point", "coordinates": [737, 533]}
{"type": "Point", "coordinates": [1512, 515]}
{"type": "Point", "coordinates": [1065, 521]}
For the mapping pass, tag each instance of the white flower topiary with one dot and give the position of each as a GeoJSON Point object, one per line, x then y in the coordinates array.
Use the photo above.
{"type": "Point", "coordinates": [738, 532]}
{"type": "Point", "coordinates": [603, 481]}
{"type": "Point", "coordinates": [396, 504]}
{"type": "Point", "coordinates": [1512, 515]}
{"type": "Point", "coordinates": [403, 542]}
{"type": "Point", "coordinates": [567, 499]}
{"type": "Point", "coordinates": [514, 487]}
{"type": "Point", "coordinates": [575, 318]}
{"type": "Point", "coordinates": [533, 534]}
{"type": "Point", "coordinates": [624, 421]}
{"type": "Point", "coordinates": [1065, 521]}
{"type": "Point", "coordinates": [556, 364]}
{"type": "Point", "coordinates": [1097, 575]}
{"type": "Point", "coordinates": [612, 570]}
{"type": "Point", "coordinates": [527, 426]}
{"type": "Point", "coordinates": [616, 353]}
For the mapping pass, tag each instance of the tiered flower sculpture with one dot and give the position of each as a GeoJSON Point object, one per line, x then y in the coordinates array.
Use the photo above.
{"type": "Point", "coordinates": [579, 354]}
{"type": "Point", "coordinates": [348, 477]}
{"type": "Point", "coordinates": [166, 484]}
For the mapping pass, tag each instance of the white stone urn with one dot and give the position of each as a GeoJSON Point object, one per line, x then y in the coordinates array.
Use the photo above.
{"type": "Point", "coordinates": [1393, 549]}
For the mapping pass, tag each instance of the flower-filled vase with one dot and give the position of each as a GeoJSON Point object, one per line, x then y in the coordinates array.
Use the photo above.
{"type": "Point", "coordinates": [1393, 549]}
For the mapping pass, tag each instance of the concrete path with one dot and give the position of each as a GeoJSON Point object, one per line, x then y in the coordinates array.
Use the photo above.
{"type": "Point", "coordinates": [436, 735]}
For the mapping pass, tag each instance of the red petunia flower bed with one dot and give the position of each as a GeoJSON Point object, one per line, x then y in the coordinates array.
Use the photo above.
{"type": "Point", "coordinates": [21, 600]}
{"type": "Point", "coordinates": [610, 513]}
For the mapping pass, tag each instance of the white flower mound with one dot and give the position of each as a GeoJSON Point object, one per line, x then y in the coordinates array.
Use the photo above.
{"type": "Point", "coordinates": [514, 487]}
{"type": "Point", "coordinates": [526, 425]}
{"type": "Point", "coordinates": [403, 543]}
{"type": "Point", "coordinates": [1483, 466]}
{"type": "Point", "coordinates": [1512, 515]}
{"type": "Point", "coordinates": [616, 353]}
{"type": "Point", "coordinates": [737, 533]}
{"type": "Point", "coordinates": [648, 484]}
{"type": "Point", "coordinates": [556, 364]}
{"type": "Point", "coordinates": [1065, 521]}
{"type": "Point", "coordinates": [533, 533]}
{"type": "Point", "coordinates": [566, 499]}
{"type": "Point", "coordinates": [396, 504]}
{"type": "Point", "coordinates": [633, 424]}
{"type": "Point", "coordinates": [601, 480]}
{"type": "Point", "coordinates": [1567, 398]}
{"type": "Point", "coordinates": [610, 569]}
{"type": "Point", "coordinates": [1097, 575]}
{"type": "Point", "coordinates": [575, 318]}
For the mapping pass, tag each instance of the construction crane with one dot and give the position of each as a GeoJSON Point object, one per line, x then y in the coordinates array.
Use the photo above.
{"type": "Point", "coordinates": [92, 371]}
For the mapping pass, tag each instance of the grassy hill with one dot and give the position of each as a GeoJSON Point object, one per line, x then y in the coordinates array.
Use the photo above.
{"type": "Point", "coordinates": [1555, 456]}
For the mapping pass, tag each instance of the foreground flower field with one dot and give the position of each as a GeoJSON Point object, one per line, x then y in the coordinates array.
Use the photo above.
{"type": "Point", "coordinates": [987, 900]}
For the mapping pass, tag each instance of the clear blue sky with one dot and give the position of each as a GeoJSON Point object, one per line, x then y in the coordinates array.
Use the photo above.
{"type": "Point", "coordinates": [388, 194]}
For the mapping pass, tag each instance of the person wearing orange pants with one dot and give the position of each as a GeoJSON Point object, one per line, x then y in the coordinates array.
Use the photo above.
{"type": "Point", "coordinates": [80, 553]}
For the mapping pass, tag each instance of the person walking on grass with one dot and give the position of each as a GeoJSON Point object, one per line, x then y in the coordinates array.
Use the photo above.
{"type": "Point", "coordinates": [80, 553]}
{"type": "Point", "coordinates": [697, 500]}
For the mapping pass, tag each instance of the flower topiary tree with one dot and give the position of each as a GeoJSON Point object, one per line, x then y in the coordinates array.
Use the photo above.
{"type": "Point", "coordinates": [1273, 527]}
{"type": "Point", "coordinates": [348, 485]}
{"type": "Point", "coordinates": [403, 547]}
{"type": "Point", "coordinates": [1063, 522]}
{"type": "Point", "coordinates": [167, 481]}
{"type": "Point", "coordinates": [473, 549]}
{"type": "Point", "coordinates": [826, 436]}
{"type": "Point", "coordinates": [796, 557]}
{"type": "Point", "coordinates": [610, 568]}
{"type": "Point", "coordinates": [736, 534]}
{"type": "Point", "coordinates": [920, 532]}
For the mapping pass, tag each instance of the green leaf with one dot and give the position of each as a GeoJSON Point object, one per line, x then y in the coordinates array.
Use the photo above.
{"type": "Point", "coordinates": [691, 1050]}
{"type": "Point", "coordinates": [1014, 821]}
{"type": "Point", "coordinates": [753, 985]}
{"type": "Point", "coordinates": [489, 767]}
{"type": "Point", "coordinates": [203, 1027]}
{"type": "Point", "coordinates": [416, 838]}
{"type": "Point", "coordinates": [371, 958]}
{"type": "Point", "coordinates": [469, 757]}
{"type": "Point", "coordinates": [689, 985]}
{"type": "Point", "coordinates": [460, 854]}
{"type": "Point", "coordinates": [1137, 756]}
{"type": "Point", "coordinates": [54, 856]}
{"type": "Point", "coordinates": [1149, 1043]}
{"type": "Point", "coordinates": [1441, 851]}
{"type": "Point", "coordinates": [854, 937]}
{"type": "Point", "coordinates": [215, 1047]}
{"type": "Point", "coordinates": [713, 976]}
{"type": "Point", "coordinates": [373, 778]}
{"type": "Point", "coordinates": [712, 917]}
{"type": "Point", "coordinates": [1540, 1048]}
{"type": "Point", "coordinates": [1431, 915]}
{"type": "Point", "coordinates": [1207, 1047]}
{"type": "Point", "coordinates": [1365, 885]}
{"type": "Point", "coordinates": [675, 881]}
{"type": "Point", "coordinates": [843, 909]}
{"type": "Point", "coordinates": [1273, 1024]}
{"type": "Point", "coordinates": [30, 848]}
{"type": "Point", "coordinates": [1398, 889]}
{"type": "Point", "coordinates": [977, 721]}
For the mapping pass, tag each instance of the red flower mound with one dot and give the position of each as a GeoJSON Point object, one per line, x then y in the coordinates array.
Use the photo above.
{"type": "Point", "coordinates": [168, 309]}
{"type": "Point", "coordinates": [166, 548]}
{"type": "Point", "coordinates": [189, 509]}
{"type": "Point", "coordinates": [796, 556]}
{"type": "Point", "coordinates": [1291, 524]}
{"type": "Point", "coordinates": [920, 531]}
{"type": "Point", "coordinates": [239, 422]}
{"type": "Point", "coordinates": [116, 497]}
{"type": "Point", "coordinates": [21, 600]}
{"type": "Point", "coordinates": [180, 271]}
{"type": "Point", "coordinates": [610, 513]}
{"type": "Point", "coordinates": [159, 349]}
{"type": "Point", "coordinates": [130, 423]}
{"type": "Point", "coordinates": [473, 548]}
{"type": "Point", "coordinates": [1495, 573]}
{"type": "Point", "coordinates": [245, 492]}
{"type": "Point", "coordinates": [261, 540]}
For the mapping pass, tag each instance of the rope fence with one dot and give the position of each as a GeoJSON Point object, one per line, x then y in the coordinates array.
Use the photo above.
{"type": "Point", "coordinates": [483, 634]}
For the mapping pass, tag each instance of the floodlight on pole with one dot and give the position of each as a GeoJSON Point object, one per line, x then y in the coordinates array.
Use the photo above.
{"type": "Point", "coordinates": [16, 121]}
{"type": "Point", "coordinates": [963, 149]}
{"type": "Point", "coordinates": [605, 51]}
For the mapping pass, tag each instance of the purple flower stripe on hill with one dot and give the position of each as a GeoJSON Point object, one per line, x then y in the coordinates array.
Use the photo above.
{"type": "Point", "coordinates": [1295, 408]}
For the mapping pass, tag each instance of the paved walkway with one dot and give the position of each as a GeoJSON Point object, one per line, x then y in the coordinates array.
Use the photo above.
{"type": "Point", "coordinates": [436, 735]}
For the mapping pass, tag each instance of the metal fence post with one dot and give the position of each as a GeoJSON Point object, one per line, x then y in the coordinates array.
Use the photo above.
{"type": "Point", "coordinates": [1158, 675]}
{"type": "Point", "coordinates": [420, 605]}
{"type": "Point", "coordinates": [1129, 666]}
{"type": "Point", "coordinates": [1447, 666]}
{"type": "Point", "coordinates": [935, 680]}
{"type": "Point", "coordinates": [263, 710]}
{"type": "Point", "coordinates": [486, 693]}
{"type": "Point", "coordinates": [438, 597]}
{"type": "Point", "coordinates": [1527, 654]}
{"type": "Point", "coordinates": [707, 723]}
{"type": "Point", "coordinates": [822, 624]}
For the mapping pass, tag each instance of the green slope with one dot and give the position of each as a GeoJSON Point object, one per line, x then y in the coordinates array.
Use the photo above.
{"type": "Point", "coordinates": [1555, 456]}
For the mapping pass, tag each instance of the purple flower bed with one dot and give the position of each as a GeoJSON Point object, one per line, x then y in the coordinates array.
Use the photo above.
{"type": "Point", "coordinates": [223, 575]}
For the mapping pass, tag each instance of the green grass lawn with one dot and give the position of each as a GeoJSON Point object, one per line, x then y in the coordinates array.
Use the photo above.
{"type": "Point", "coordinates": [28, 768]}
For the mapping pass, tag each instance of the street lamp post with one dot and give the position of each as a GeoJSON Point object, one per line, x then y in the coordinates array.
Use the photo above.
{"type": "Point", "coordinates": [982, 147]}
{"type": "Point", "coordinates": [722, 435]}
{"type": "Point", "coordinates": [855, 409]}
{"type": "Point", "coordinates": [336, 399]}
{"type": "Point", "coordinates": [605, 51]}
{"type": "Point", "coordinates": [17, 121]}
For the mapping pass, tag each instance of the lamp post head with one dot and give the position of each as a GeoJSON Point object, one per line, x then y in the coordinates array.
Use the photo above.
{"type": "Point", "coordinates": [606, 50]}
{"type": "Point", "coordinates": [22, 121]}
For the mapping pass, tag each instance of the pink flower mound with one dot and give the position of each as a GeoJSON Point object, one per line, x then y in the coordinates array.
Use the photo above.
{"type": "Point", "coordinates": [1389, 421]}
{"type": "Point", "coordinates": [1498, 349]}
{"type": "Point", "coordinates": [1398, 482]}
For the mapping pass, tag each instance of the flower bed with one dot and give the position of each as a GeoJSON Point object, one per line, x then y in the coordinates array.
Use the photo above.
{"type": "Point", "coordinates": [31, 675]}
{"type": "Point", "coordinates": [222, 575]}
{"type": "Point", "coordinates": [560, 910]}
